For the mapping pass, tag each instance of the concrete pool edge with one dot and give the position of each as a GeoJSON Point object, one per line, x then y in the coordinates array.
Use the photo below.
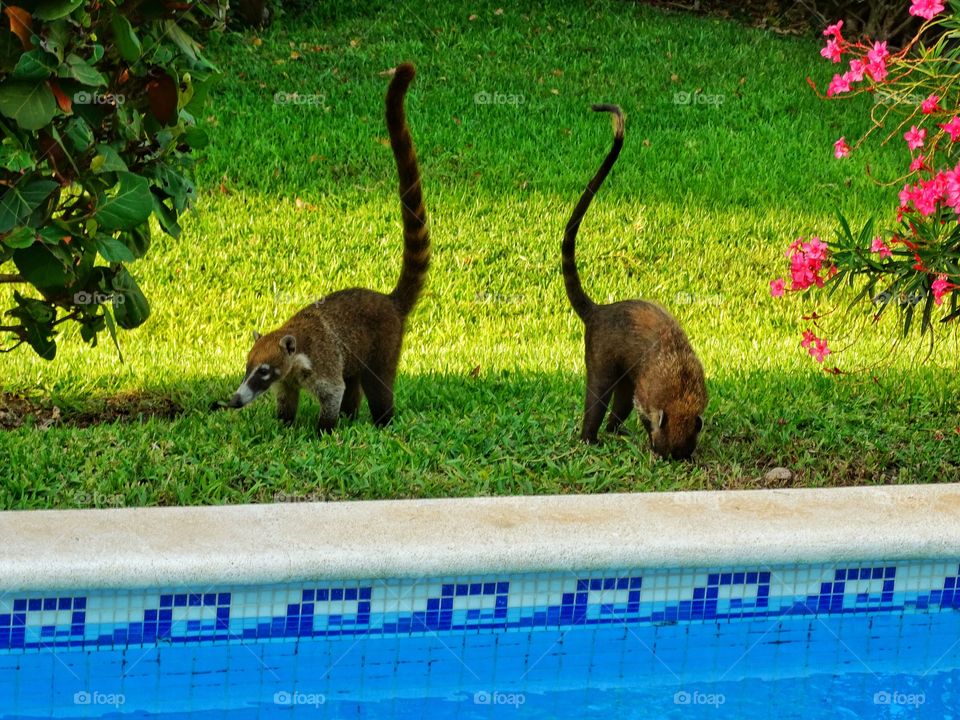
{"type": "Point", "coordinates": [276, 543]}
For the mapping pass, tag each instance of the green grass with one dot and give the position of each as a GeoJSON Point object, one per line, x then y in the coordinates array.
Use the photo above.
{"type": "Point", "coordinates": [696, 215]}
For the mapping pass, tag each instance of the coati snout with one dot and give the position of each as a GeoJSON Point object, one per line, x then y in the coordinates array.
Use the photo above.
{"type": "Point", "coordinates": [672, 435]}
{"type": "Point", "coordinates": [269, 361]}
{"type": "Point", "coordinates": [637, 355]}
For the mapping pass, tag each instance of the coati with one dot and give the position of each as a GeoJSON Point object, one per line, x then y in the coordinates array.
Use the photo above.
{"type": "Point", "coordinates": [348, 344]}
{"type": "Point", "coordinates": [636, 351]}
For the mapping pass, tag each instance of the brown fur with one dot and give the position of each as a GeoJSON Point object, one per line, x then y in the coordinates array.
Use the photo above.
{"type": "Point", "coordinates": [636, 352]}
{"type": "Point", "coordinates": [348, 344]}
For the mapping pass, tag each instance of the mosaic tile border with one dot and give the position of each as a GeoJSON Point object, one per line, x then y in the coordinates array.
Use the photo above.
{"type": "Point", "coordinates": [103, 619]}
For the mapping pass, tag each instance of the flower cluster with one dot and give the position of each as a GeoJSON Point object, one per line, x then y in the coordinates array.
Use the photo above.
{"type": "Point", "coordinates": [816, 346]}
{"type": "Point", "coordinates": [808, 266]}
{"type": "Point", "coordinates": [915, 257]}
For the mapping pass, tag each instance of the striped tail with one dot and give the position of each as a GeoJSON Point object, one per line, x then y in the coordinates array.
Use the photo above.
{"type": "Point", "coordinates": [416, 239]}
{"type": "Point", "coordinates": [583, 305]}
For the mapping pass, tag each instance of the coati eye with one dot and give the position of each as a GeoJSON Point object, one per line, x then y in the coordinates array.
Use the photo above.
{"type": "Point", "coordinates": [264, 371]}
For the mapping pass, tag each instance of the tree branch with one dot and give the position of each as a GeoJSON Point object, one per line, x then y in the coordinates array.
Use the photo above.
{"type": "Point", "coordinates": [11, 278]}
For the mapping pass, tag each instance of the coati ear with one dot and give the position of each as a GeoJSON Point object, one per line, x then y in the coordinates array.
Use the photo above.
{"type": "Point", "coordinates": [256, 336]}
{"type": "Point", "coordinates": [699, 423]}
{"type": "Point", "coordinates": [289, 344]}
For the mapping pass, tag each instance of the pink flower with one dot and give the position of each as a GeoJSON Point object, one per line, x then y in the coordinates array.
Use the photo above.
{"type": "Point", "coordinates": [840, 148]}
{"type": "Point", "coordinates": [831, 51]}
{"type": "Point", "coordinates": [878, 53]}
{"type": "Point", "coordinates": [839, 84]}
{"type": "Point", "coordinates": [941, 286]}
{"type": "Point", "coordinates": [930, 105]}
{"type": "Point", "coordinates": [816, 249]}
{"type": "Point", "coordinates": [819, 351]}
{"type": "Point", "coordinates": [917, 163]}
{"type": "Point", "coordinates": [915, 137]}
{"type": "Point", "coordinates": [817, 347]}
{"type": "Point", "coordinates": [953, 128]}
{"type": "Point", "coordinates": [857, 68]}
{"type": "Point", "coordinates": [776, 287]}
{"type": "Point", "coordinates": [877, 71]}
{"type": "Point", "coordinates": [807, 260]}
{"type": "Point", "coordinates": [927, 9]}
{"type": "Point", "coordinates": [833, 30]}
{"type": "Point", "coordinates": [879, 246]}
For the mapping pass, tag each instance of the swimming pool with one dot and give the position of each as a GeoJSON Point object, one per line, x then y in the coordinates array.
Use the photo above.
{"type": "Point", "coordinates": [848, 638]}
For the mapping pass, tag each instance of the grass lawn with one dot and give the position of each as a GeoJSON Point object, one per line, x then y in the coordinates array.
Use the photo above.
{"type": "Point", "coordinates": [297, 200]}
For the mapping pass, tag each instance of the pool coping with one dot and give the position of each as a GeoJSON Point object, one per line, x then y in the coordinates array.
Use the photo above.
{"type": "Point", "coordinates": [289, 542]}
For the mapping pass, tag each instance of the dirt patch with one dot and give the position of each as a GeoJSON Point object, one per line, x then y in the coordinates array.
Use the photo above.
{"type": "Point", "coordinates": [17, 410]}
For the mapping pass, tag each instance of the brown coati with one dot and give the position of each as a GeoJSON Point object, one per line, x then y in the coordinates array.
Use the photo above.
{"type": "Point", "coordinates": [636, 351]}
{"type": "Point", "coordinates": [348, 344]}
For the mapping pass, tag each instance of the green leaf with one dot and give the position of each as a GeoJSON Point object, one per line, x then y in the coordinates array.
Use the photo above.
{"type": "Point", "coordinates": [112, 329]}
{"type": "Point", "coordinates": [78, 69]}
{"type": "Point", "coordinates": [196, 138]}
{"type": "Point", "coordinates": [79, 134]}
{"type": "Point", "coordinates": [15, 159]}
{"type": "Point", "coordinates": [56, 9]}
{"type": "Point", "coordinates": [32, 105]}
{"type": "Point", "coordinates": [137, 240]}
{"type": "Point", "coordinates": [187, 44]}
{"type": "Point", "coordinates": [20, 238]}
{"type": "Point", "coordinates": [41, 268]}
{"type": "Point", "coordinates": [128, 206]}
{"type": "Point", "coordinates": [166, 217]}
{"type": "Point", "coordinates": [54, 235]}
{"type": "Point", "coordinates": [113, 249]}
{"type": "Point", "coordinates": [36, 324]}
{"type": "Point", "coordinates": [107, 160]}
{"type": "Point", "coordinates": [133, 310]}
{"type": "Point", "coordinates": [35, 65]}
{"type": "Point", "coordinates": [127, 41]}
{"type": "Point", "coordinates": [925, 318]}
{"type": "Point", "coordinates": [18, 202]}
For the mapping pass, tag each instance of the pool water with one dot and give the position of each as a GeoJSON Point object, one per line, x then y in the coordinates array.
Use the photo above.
{"type": "Point", "coordinates": [857, 665]}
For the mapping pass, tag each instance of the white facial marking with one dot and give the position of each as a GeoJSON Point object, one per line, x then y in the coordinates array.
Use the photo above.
{"type": "Point", "coordinates": [244, 393]}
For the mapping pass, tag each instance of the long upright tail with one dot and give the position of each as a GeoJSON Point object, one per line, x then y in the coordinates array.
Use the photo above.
{"type": "Point", "coordinates": [416, 239]}
{"type": "Point", "coordinates": [582, 304]}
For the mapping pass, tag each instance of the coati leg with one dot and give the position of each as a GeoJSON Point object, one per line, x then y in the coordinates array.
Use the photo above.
{"type": "Point", "coordinates": [379, 392]}
{"type": "Point", "coordinates": [600, 384]}
{"type": "Point", "coordinates": [330, 394]}
{"type": "Point", "coordinates": [288, 398]}
{"type": "Point", "coordinates": [622, 405]}
{"type": "Point", "coordinates": [350, 405]}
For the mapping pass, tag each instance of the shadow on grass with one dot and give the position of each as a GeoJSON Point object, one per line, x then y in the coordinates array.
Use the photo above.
{"type": "Point", "coordinates": [826, 430]}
